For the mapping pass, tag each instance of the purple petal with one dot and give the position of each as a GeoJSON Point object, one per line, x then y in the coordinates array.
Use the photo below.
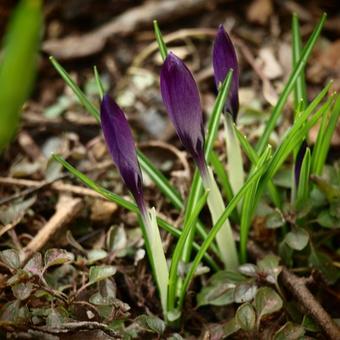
{"type": "Point", "coordinates": [224, 58]}
{"type": "Point", "coordinates": [182, 101]}
{"type": "Point", "coordinates": [118, 138]}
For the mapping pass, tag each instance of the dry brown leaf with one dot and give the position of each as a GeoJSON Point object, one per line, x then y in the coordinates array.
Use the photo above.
{"type": "Point", "coordinates": [330, 57]}
{"type": "Point", "coordinates": [101, 211]}
{"type": "Point", "coordinates": [270, 66]}
{"type": "Point", "coordinates": [285, 58]}
{"type": "Point", "coordinates": [313, 134]}
{"type": "Point", "coordinates": [326, 65]}
{"type": "Point", "coordinates": [260, 11]}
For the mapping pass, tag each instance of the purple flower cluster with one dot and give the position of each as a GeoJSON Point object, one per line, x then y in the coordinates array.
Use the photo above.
{"type": "Point", "coordinates": [182, 100]}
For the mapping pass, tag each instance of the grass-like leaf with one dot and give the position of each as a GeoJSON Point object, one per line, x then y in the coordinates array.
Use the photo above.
{"type": "Point", "coordinates": [224, 237]}
{"type": "Point", "coordinates": [249, 204]}
{"type": "Point", "coordinates": [303, 187]}
{"type": "Point", "coordinates": [222, 177]}
{"type": "Point", "coordinates": [176, 256]}
{"type": "Point", "coordinates": [293, 138]}
{"type": "Point", "coordinates": [99, 82]}
{"type": "Point", "coordinates": [289, 142]}
{"type": "Point", "coordinates": [90, 108]}
{"type": "Point", "coordinates": [324, 138]}
{"type": "Point", "coordinates": [163, 50]}
{"type": "Point", "coordinates": [270, 125]}
{"type": "Point", "coordinates": [253, 157]}
{"type": "Point", "coordinates": [258, 172]}
{"type": "Point", "coordinates": [300, 92]}
{"type": "Point", "coordinates": [248, 208]}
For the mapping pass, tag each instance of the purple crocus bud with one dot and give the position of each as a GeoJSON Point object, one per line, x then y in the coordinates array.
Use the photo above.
{"type": "Point", "coordinates": [119, 140]}
{"type": "Point", "coordinates": [182, 101]}
{"type": "Point", "coordinates": [298, 162]}
{"type": "Point", "coordinates": [224, 59]}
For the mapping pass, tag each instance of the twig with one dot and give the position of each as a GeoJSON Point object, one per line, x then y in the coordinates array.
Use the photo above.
{"type": "Point", "coordinates": [78, 326]}
{"type": "Point", "coordinates": [29, 191]}
{"type": "Point", "coordinates": [67, 209]}
{"type": "Point", "coordinates": [297, 286]}
{"type": "Point", "coordinates": [126, 23]}
{"type": "Point", "coordinates": [70, 122]}
{"type": "Point", "coordinates": [58, 186]}
{"type": "Point", "coordinates": [10, 226]}
{"type": "Point", "coordinates": [307, 301]}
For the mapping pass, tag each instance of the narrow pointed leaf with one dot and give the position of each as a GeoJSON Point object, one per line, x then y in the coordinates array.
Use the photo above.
{"type": "Point", "coordinates": [161, 44]}
{"type": "Point", "coordinates": [270, 125]}
{"type": "Point", "coordinates": [99, 83]}
{"type": "Point", "coordinates": [176, 256]}
{"type": "Point", "coordinates": [303, 183]}
{"type": "Point", "coordinates": [75, 88]}
{"type": "Point", "coordinates": [224, 237]}
{"type": "Point", "coordinates": [300, 92]}
{"type": "Point", "coordinates": [324, 138]}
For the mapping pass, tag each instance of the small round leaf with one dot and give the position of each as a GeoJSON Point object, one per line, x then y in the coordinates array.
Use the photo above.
{"type": "Point", "coordinates": [246, 317]}
{"type": "Point", "coordinates": [267, 301]}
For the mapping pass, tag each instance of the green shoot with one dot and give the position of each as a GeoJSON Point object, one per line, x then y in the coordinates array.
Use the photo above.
{"type": "Point", "coordinates": [99, 83]}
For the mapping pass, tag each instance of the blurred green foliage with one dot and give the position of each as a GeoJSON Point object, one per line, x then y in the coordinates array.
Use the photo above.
{"type": "Point", "coordinates": [18, 63]}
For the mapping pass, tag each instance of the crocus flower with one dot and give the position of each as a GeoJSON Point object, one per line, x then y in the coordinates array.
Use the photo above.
{"type": "Point", "coordinates": [182, 101]}
{"type": "Point", "coordinates": [224, 58]}
{"type": "Point", "coordinates": [118, 138]}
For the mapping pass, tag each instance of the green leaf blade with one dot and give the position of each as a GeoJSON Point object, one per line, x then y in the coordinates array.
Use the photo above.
{"type": "Point", "coordinates": [270, 125]}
